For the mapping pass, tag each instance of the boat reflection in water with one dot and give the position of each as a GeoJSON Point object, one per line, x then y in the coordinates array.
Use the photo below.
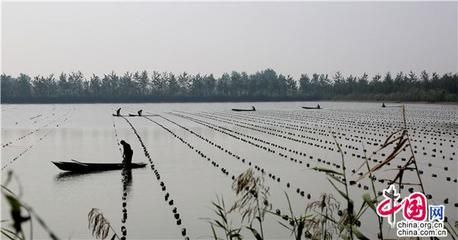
{"type": "Point", "coordinates": [126, 179]}
{"type": "Point", "coordinates": [70, 176]}
{"type": "Point", "coordinates": [74, 176]}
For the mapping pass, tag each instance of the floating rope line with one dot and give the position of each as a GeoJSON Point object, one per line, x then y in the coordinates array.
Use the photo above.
{"type": "Point", "coordinates": [215, 164]}
{"type": "Point", "coordinates": [126, 180]}
{"type": "Point", "coordinates": [449, 179]}
{"type": "Point", "coordinates": [39, 140]}
{"type": "Point", "coordinates": [268, 149]}
{"type": "Point", "coordinates": [352, 135]}
{"type": "Point", "coordinates": [275, 178]}
{"type": "Point", "coordinates": [29, 133]}
{"type": "Point", "coordinates": [168, 199]}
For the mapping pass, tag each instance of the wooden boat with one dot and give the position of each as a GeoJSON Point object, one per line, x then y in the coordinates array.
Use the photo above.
{"type": "Point", "coordinates": [75, 166]}
{"type": "Point", "coordinates": [244, 110]}
{"type": "Point", "coordinates": [135, 115]}
{"type": "Point", "coordinates": [312, 107]}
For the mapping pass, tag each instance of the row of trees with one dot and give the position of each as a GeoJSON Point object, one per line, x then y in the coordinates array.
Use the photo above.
{"type": "Point", "coordinates": [262, 85]}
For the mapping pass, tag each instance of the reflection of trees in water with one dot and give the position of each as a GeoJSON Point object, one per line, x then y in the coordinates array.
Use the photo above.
{"type": "Point", "coordinates": [126, 186]}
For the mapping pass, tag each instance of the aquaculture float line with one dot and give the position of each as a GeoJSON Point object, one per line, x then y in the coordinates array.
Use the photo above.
{"type": "Point", "coordinates": [311, 141]}
{"type": "Point", "coordinates": [18, 156]}
{"type": "Point", "coordinates": [37, 116]}
{"type": "Point", "coordinates": [320, 128]}
{"type": "Point", "coordinates": [223, 119]}
{"type": "Point", "coordinates": [352, 134]}
{"type": "Point", "coordinates": [309, 130]}
{"type": "Point", "coordinates": [276, 179]}
{"type": "Point", "coordinates": [364, 126]}
{"type": "Point", "coordinates": [29, 133]}
{"type": "Point", "coordinates": [118, 142]}
{"type": "Point", "coordinates": [283, 156]}
{"type": "Point", "coordinates": [359, 185]}
{"type": "Point", "coordinates": [124, 189]}
{"type": "Point", "coordinates": [167, 198]}
{"type": "Point", "coordinates": [214, 164]}
{"type": "Point", "coordinates": [35, 143]}
{"type": "Point", "coordinates": [267, 130]}
{"type": "Point", "coordinates": [280, 136]}
{"type": "Point", "coordinates": [347, 146]}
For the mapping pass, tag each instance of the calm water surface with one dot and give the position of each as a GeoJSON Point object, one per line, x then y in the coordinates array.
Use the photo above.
{"type": "Point", "coordinates": [35, 135]}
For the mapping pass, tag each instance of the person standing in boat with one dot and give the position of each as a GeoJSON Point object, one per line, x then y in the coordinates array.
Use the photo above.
{"type": "Point", "coordinates": [140, 112]}
{"type": "Point", "coordinates": [118, 112]}
{"type": "Point", "coordinates": [127, 153]}
{"type": "Point", "coordinates": [318, 106]}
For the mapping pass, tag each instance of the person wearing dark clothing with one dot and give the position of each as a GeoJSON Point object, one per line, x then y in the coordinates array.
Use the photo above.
{"type": "Point", "coordinates": [383, 105]}
{"type": "Point", "coordinates": [318, 106]}
{"type": "Point", "coordinates": [118, 112]}
{"type": "Point", "coordinates": [127, 155]}
{"type": "Point", "coordinates": [140, 112]}
{"type": "Point", "coordinates": [254, 109]}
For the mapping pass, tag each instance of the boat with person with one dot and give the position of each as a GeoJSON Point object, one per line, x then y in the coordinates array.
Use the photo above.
{"type": "Point", "coordinates": [244, 110]}
{"type": "Point", "coordinates": [135, 115]}
{"type": "Point", "coordinates": [76, 166]}
{"type": "Point", "coordinates": [317, 107]}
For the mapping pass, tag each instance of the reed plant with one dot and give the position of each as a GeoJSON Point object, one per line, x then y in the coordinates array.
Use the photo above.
{"type": "Point", "coordinates": [321, 219]}
{"type": "Point", "coordinates": [14, 229]}
{"type": "Point", "coordinates": [99, 226]}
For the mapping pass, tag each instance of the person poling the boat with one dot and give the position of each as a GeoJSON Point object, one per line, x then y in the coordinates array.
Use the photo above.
{"type": "Point", "coordinates": [318, 106]}
{"type": "Point", "coordinates": [118, 112]}
{"type": "Point", "coordinates": [127, 153]}
{"type": "Point", "coordinates": [140, 112]}
{"type": "Point", "coordinates": [254, 109]}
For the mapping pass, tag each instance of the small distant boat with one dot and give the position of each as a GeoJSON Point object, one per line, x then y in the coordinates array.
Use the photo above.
{"type": "Point", "coordinates": [317, 107]}
{"type": "Point", "coordinates": [135, 115]}
{"type": "Point", "coordinates": [244, 110]}
{"type": "Point", "coordinates": [390, 106]}
{"type": "Point", "coordinates": [76, 166]}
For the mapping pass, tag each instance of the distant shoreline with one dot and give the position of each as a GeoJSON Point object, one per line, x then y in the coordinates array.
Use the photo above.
{"type": "Point", "coordinates": [266, 85]}
{"type": "Point", "coordinates": [214, 100]}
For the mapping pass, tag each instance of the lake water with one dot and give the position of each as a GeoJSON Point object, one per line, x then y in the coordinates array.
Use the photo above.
{"type": "Point", "coordinates": [176, 136]}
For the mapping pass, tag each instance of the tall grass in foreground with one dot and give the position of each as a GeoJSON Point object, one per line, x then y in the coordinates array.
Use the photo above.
{"type": "Point", "coordinates": [14, 229]}
{"type": "Point", "coordinates": [321, 219]}
{"type": "Point", "coordinates": [23, 216]}
{"type": "Point", "coordinates": [100, 226]}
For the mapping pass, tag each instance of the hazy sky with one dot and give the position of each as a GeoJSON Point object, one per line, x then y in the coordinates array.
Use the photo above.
{"type": "Point", "coordinates": [292, 38]}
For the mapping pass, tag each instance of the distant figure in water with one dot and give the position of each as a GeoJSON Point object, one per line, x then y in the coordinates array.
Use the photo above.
{"type": "Point", "coordinates": [118, 112]}
{"type": "Point", "coordinates": [383, 105]}
{"type": "Point", "coordinates": [127, 155]}
{"type": "Point", "coordinates": [140, 112]}
{"type": "Point", "coordinates": [318, 106]}
{"type": "Point", "coordinates": [254, 109]}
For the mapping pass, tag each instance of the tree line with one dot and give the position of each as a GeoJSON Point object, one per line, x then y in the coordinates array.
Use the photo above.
{"type": "Point", "coordinates": [263, 85]}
